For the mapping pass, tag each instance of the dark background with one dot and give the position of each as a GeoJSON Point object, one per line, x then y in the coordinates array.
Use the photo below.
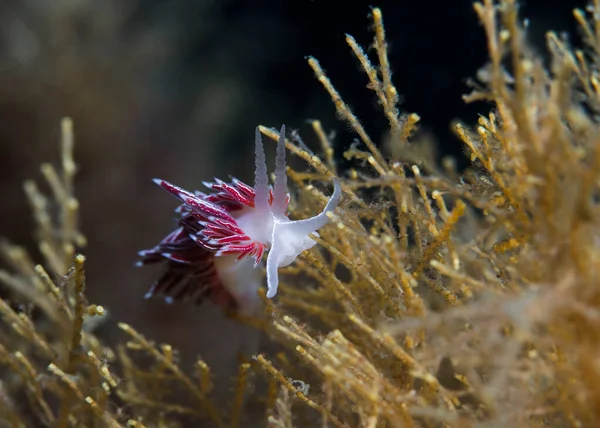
{"type": "Point", "coordinates": [174, 89]}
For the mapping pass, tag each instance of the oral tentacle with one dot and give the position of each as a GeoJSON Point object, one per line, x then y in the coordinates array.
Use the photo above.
{"type": "Point", "coordinates": [311, 225]}
{"type": "Point", "coordinates": [273, 260]}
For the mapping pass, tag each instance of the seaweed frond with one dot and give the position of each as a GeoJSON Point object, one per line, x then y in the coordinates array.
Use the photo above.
{"type": "Point", "coordinates": [53, 366]}
{"type": "Point", "coordinates": [439, 298]}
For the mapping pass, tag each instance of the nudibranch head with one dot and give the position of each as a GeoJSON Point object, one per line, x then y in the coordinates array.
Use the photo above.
{"type": "Point", "coordinates": [218, 232]}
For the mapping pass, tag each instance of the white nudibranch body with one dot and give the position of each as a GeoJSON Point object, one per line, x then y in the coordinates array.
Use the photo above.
{"type": "Point", "coordinates": [268, 222]}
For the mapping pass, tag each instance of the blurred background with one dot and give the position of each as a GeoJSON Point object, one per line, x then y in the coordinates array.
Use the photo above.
{"type": "Point", "coordinates": [174, 89]}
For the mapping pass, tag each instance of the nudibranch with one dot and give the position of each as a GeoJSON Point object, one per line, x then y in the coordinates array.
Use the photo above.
{"type": "Point", "coordinates": [221, 237]}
